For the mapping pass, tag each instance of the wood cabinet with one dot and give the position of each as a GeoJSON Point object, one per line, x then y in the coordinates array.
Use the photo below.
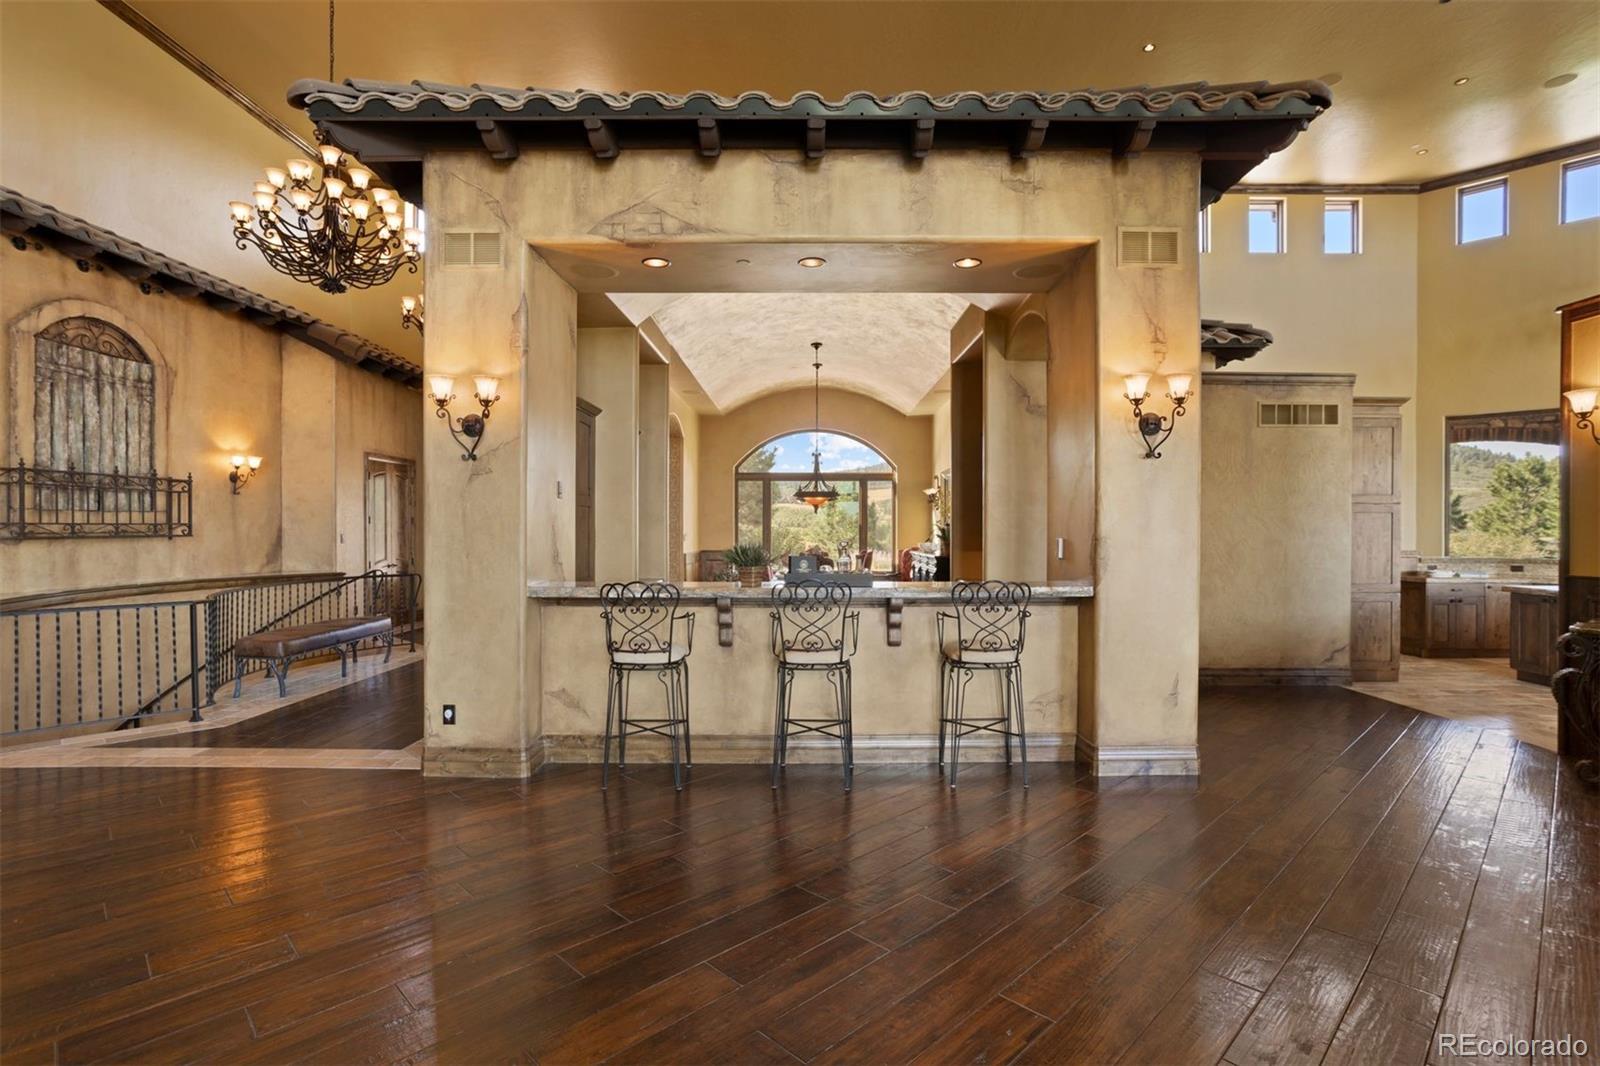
{"type": "Point", "coordinates": [1460, 618]}
{"type": "Point", "coordinates": [1375, 609]}
{"type": "Point", "coordinates": [1534, 629]}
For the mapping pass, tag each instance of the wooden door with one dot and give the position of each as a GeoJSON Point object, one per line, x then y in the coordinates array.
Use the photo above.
{"type": "Point", "coordinates": [1375, 622]}
{"type": "Point", "coordinates": [1496, 619]}
{"type": "Point", "coordinates": [583, 492]}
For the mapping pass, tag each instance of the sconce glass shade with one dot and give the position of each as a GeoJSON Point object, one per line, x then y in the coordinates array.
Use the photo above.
{"type": "Point", "coordinates": [441, 387]}
{"type": "Point", "coordinates": [486, 388]}
{"type": "Point", "coordinates": [236, 461]}
{"type": "Point", "coordinates": [408, 303]}
{"type": "Point", "coordinates": [254, 461]}
{"type": "Point", "coordinates": [1583, 401]}
{"type": "Point", "coordinates": [1136, 386]}
{"type": "Point", "coordinates": [1178, 385]}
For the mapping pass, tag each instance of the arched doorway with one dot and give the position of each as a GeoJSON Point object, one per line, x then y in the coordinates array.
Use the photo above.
{"type": "Point", "coordinates": [861, 520]}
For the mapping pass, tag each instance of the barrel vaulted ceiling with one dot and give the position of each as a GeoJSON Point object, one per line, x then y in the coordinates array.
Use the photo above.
{"type": "Point", "coordinates": [894, 347]}
{"type": "Point", "coordinates": [1531, 69]}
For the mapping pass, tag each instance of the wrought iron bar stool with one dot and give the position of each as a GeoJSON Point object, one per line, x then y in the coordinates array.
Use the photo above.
{"type": "Point", "coordinates": [984, 630]}
{"type": "Point", "coordinates": [813, 631]}
{"type": "Point", "coordinates": [645, 633]}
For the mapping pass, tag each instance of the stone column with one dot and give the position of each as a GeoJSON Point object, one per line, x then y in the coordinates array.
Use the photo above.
{"type": "Point", "coordinates": [608, 377]}
{"type": "Point", "coordinates": [654, 476]}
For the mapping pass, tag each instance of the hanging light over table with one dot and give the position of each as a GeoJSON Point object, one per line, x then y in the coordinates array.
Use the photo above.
{"type": "Point", "coordinates": [816, 493]}
{"type": "Point", "coordinates": [327, 221]}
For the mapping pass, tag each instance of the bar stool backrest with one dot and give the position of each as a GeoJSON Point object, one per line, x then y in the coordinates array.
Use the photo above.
{"type": "Point", "coordinates": [639, 616]}
{"type": "Point", "coordinates": [811, 616]}
{"type": "Point", "coordinates": [991, 616]}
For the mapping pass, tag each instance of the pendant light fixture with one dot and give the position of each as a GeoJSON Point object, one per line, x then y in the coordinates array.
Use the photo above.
{"type": "Point", "coordinates": [327, 221]}
{"type": "Point", "coordinates": [817, 493]}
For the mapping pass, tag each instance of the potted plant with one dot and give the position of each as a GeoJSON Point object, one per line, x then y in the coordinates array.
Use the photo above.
{"type": "Point", "coordinates": [750, 560]}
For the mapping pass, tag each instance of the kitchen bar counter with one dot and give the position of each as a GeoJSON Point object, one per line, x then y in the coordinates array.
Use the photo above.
{"type": "Point", "coordinates": [881, 592]}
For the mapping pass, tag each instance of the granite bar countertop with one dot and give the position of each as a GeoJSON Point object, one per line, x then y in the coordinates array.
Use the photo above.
{"type": "Point", "coordinates": [708, 592]}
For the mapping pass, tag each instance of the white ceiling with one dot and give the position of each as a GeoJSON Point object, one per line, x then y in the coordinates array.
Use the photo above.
{"type": "Point", "coordinates": [894, 347]}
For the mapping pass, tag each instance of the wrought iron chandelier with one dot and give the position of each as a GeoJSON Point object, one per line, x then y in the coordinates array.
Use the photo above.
{"type": "Point", "coordinates": [817, 493]}
{"type": "Point", "coordinates": [329, 222]}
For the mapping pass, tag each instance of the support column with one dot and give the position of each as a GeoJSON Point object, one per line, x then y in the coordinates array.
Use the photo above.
{"type": "Point", "coordinates": [654, 473]}
{"type": "Point", "coordinates": [608, 377]}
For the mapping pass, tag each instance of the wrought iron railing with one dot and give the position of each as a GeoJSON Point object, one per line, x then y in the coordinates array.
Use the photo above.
{"type": "Point", "coordinates": [37, 501]}
{"type": "Point", "coordinates": [120, 663]}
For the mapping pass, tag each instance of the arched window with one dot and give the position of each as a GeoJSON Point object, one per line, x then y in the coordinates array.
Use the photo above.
{"type": "Point", "coordinates": [861, 519]}
{"type": "Point", "coordinates": [94, 399]}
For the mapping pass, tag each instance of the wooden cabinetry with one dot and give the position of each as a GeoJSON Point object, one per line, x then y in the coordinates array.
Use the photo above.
{"type": "Point", "coordinates": [1462, 618]}
{"type": "Point", "coordinates": [1375, 622]}
{"type": "Point", "coordinates": [1534, 630]}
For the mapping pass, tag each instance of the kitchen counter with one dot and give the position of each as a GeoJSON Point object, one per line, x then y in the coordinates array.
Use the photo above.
{"type": "Point", "coordinates": [1533, 590]}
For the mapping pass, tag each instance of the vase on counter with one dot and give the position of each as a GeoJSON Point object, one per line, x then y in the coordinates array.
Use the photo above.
{"type": "Point", "coordinates": [752, 577]}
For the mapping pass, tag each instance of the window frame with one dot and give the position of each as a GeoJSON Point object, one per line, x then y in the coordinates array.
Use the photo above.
{"type": "Point", "coordinates": [1280, 207]}
{"type": "Point", "coordinates": [1583, 163]}
{"type": "Point", "coordinates": [1205, 229]}
{"type": "Point", "coordinates": [836, 478]}
{"type": "Point", "coordinates": [1509, 425]}
{"type": "Point", "coordinates": [1357, 220]}
{"type": "Point", "coordinates": [1463, 191]}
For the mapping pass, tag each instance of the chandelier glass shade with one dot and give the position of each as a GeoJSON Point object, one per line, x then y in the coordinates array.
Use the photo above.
{"type": "Point", "coordinates": [816, 493]}
{"type": "Point", "coordinates": [329, 223]}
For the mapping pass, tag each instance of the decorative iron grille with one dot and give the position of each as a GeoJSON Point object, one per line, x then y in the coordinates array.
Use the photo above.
{"type": "Point", "coordinates": [39, 502]}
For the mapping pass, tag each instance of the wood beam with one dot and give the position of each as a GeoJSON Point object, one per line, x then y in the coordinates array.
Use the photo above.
{"type": "Point", "coordinates": [922, 138]}
{"type": "Point", "coordinates": [129, 268]}
{"type": "Point", "coordinates": [220, 302]}
{"type": "Point", "coordinates": [1134, 139]}
{"type": "Point", "coordinates": [602, 138]}
{"type": "Point", "coordinates": [816, 137]}
{"type": "Point", "coordinates": [498, 140]}
{"type": "Point", "coordinates": [177, 287]}
{"type": "Point", "coordinates": [1030, 139]}
{"type": "Point", "coordinates": [710, 137]}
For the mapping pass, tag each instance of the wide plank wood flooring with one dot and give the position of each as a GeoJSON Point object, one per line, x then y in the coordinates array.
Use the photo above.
{"type": "Point", "coordinates": [1347, 878]}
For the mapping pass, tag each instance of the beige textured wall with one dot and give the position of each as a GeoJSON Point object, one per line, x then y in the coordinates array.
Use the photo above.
{"type": "Point", "coordinates": [608, 377]}
{"type": "Point", "coordinates": [1352, 314]}
{"type": "Point", "coordinates": [1488, 339]}
{"type": "Point", "coordinates": [1014, 455]}
{"type": "Point", "coordinates": [103, 124]}
{"type": "Point", "coordinates": [1143, 692]}
{"type": "Point", "coordinates": [906, 440]}
{"type": "Point", "coordinates": [224, 386]}
{"type": "Point", "coordinates": [1584, 488]}
{"type": "Point", "coordinates": [1274, 528]}
{"type": "Point", "coordinates": [688, 420]}
{"type": "Point", "coordinates": [654, 461]}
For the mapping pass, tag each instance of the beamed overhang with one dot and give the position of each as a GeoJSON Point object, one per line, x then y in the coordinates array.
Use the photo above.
{"type": "Point", "coordinates": [1229, 342]}
{"type": "Point", "coordinates": [390, 125]}
{"type": "Point", "coordinates": [29, 224]}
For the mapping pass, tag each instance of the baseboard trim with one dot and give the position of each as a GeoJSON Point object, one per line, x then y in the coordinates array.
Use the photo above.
{"type": "Point", "coordinates": [1138, 760]}
{"type": "Point", "coordinates": [439, 761]}
{"type": "Point", "coordinates": [757, 750]}
{"type": "Point", "coordinates": [1281, 675]}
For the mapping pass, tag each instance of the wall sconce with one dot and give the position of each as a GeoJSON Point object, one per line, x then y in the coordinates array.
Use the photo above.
{"type": "Point", "coordinates": [470, 427]}
{"type": "Point", "coordinates": [411, 313]}
{"type": "Point", "coordinates": [1154, 428]}
{"type": "Point", "coordinates": [1582, 402]}
{"type": "Point", "coordinates": [244, 468]}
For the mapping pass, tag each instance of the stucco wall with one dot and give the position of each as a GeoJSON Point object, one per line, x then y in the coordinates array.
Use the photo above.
{"type": "Point", "coordinates": [223, 386]}
{"type": "Point", "coordinates": [1354, 314]}
{"type": "Point", "coordinates": [906, 440]}
{"type": "Point", "coordinates": [1274, 528]}
{"type": "Point", "coordinates": [1487, 335]}
{"type": "Point", "coordinates": [608, 378]}
{"type": "Point", "coordinates": [688, 420]}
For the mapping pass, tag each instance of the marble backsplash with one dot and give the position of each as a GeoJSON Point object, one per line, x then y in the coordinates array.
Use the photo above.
{"type": "Point", "coordinates": [1538, 571]}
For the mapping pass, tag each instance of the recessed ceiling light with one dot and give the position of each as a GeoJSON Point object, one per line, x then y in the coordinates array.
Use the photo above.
{"type": "Point", "coordinates": [1149, 48]}
{"type": "Point", "coordinates": [656, 262]}
{"type": "Point", "coordinates": [813, 261]}
{"type": "Point", "coordinates": [1417, 148]}
{"type": "Point", "coordinates": [1462, 81]}
{"type": "Point", "coordinates": [967, 262]}
{"type": "Point", "coordinates": [1561, 79]}
{"type": "Point", "coordinates": [742, 262]}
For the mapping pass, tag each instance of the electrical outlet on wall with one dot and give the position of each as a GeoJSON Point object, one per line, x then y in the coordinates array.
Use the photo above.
{"type": "Point", "coordinates": [449, 714]}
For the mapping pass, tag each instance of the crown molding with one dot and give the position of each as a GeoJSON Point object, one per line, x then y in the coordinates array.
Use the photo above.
{"type": "Point", "coordinates": [1463, 177]}
{"type": "Point", "coordinates": [197, 66]}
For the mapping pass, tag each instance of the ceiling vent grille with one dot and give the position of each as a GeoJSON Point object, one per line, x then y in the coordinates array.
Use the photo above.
{"type": "Point", "coordinates": [1150, 246]}
{"type": "Point", "coordinates": [1297, 414]}
{"type": "Point", "coordinates": [463, 248]}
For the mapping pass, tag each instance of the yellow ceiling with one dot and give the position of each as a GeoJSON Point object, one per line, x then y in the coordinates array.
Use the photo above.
{"type": "Point", "coordinates": [1393, 63]}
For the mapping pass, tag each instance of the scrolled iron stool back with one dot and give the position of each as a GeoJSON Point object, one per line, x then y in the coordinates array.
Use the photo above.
{"type": "Point", "coordinates": [646, 633]}
{"type": "Point", "coordinates": [814, 630]}
{"type": "Point", "coordinates": [984, 630]}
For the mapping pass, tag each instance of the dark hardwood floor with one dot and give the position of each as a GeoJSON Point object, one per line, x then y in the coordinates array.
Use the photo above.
{"type": "Point", "coordinates": [1348, 877]}
{"type": "Point", "coordinates": [382, 712]}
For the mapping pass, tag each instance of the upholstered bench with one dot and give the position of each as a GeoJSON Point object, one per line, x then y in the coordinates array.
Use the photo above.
{"type": "Point", "coordinates": [276, 647]}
